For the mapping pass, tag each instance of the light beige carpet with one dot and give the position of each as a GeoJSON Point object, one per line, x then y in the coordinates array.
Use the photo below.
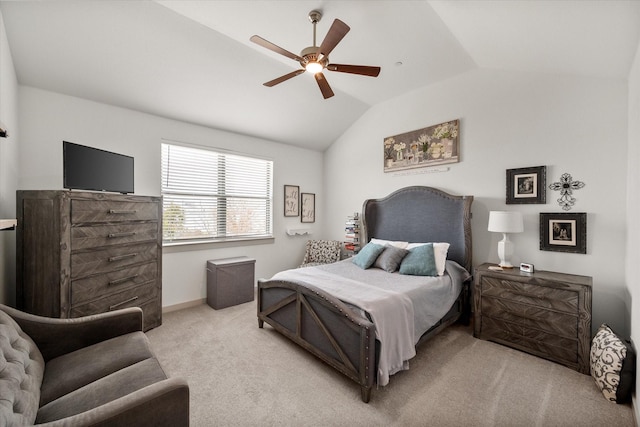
{"type": "Point", "coordinates": [240, 375]}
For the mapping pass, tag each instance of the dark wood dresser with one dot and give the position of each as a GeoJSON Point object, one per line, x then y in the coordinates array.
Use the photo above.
{"type": "Point", "coordinates": [544, 313]}
{"type": "Point", "coordinates": [83, 253]}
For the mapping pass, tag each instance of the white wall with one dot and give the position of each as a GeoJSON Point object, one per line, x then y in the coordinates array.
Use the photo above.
{"type": "Point", "coordinates": [508, 120]}
{"type": "Point", "coordinates": [46, 119]}
{"type": "Point", "coordinates": [633, 206]}
{"type": "Point", "coordinates": [8, 167]}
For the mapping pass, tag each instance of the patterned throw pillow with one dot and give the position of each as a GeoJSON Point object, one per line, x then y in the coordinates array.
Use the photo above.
{"type": "Point", "coordinates": [613, 365]}
{"type": "Point", "coordinates": [323, 251]}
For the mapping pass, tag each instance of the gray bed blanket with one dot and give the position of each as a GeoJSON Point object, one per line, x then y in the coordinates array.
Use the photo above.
{"type": "Point", "coordinates": [402, 307]}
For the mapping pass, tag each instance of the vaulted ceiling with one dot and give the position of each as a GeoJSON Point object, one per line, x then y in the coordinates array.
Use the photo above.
{"type": "Point", "coordinates": [193, 61]}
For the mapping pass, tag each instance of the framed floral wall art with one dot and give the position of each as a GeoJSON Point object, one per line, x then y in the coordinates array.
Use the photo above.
{"type": "Point", "coordinates": [431, 146]}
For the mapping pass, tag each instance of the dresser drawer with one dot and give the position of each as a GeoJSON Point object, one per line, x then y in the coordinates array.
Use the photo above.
{"type": "Point", "coordinates": [111, 258]}
{"type": "Point", "coordinates": [106, 235]}
{"type": "Point", "coordinates": [541, 296]}
{"type": "Point", "coordinates": [134, 297]}
{"type": "Point", "coordinates": [532, 340]}
{"type": "Point", "coordinates": [558, 323]}
{"type": "Point", "coordinates": [88, 211]}
{"type": "Point", "coordinates": [87, 289]}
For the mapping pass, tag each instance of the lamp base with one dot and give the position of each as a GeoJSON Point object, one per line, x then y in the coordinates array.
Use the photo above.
{"type": "Point", "coordinates": [505, 250]}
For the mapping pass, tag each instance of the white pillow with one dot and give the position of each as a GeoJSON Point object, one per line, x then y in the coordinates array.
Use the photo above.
{"type": "Point", "coordinates": [439, 252]}
{"type": "Point", "coordinates": [401, 245]}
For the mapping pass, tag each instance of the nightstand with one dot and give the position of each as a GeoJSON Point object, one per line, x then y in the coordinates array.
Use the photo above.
{"type": "Point", "coordinates": [544, 313]}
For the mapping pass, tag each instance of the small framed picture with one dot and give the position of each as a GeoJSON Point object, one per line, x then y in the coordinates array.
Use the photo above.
{"type": "Point", "coordinates": [526, 185]}
{"type": "Point", "coordinates": [308, 207]}
{"type": "Point", "coordinates": [563, 232]}
{"type": "Point", "coordinates": [291, 200]}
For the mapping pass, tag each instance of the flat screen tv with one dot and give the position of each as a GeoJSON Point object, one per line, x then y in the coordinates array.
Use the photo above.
{"type": "Point", "coordinates": [88, 168]}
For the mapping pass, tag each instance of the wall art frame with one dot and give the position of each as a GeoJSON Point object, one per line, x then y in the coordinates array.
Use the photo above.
{"type": "Point", "coordinates": [527, 185]}
{"type": "Point", "coordinates": [308, 207]}
{"type": "Point", "coordinates": [291, 200]}
{"type": "Point", "coordinates": [430, 146]}
{"type": "Point", "coordinates": [563, 232]}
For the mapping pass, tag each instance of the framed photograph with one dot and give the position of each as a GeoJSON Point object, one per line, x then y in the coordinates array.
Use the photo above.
{"type": "Point", "coordinates": [431, 146]}
{"type": "Point", "coordinates": [291, 200]}
{"type": "Point", "coordinates": [563, 232]}
{"type": "Point", "coordinates": [526, 185]}
{"type": "Point", "coordinates": [308, 207]}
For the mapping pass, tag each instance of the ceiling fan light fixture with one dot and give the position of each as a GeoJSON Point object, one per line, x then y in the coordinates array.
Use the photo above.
{"type": "Point", "coordinates": [313, 67]}
{"type": "Point", "coordinates": [314, 59]}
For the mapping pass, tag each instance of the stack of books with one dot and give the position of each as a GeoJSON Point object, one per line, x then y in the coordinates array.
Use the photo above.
{"type": "Point", "coordinates": [352, 234]}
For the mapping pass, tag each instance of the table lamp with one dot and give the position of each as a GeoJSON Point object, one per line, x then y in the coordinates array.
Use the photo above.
{"type": "Point", "coordinates": [505, 223]}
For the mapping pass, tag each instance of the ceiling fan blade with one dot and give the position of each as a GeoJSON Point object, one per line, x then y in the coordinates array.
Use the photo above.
{"type": "Point", "coordinates": [323, 85]}
{"type": "Point", "coordinates": [336, 33]}
{"type": "Point", "coordinates": [265, 43]}
{"type": "Point", "coordinates": [284, 78]}
{"type": "Point", "coordinates": [363, 70]}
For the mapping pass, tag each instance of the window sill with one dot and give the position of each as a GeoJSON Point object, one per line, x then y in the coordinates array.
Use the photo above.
{"type": "Point", "coordinates": [194, 245]}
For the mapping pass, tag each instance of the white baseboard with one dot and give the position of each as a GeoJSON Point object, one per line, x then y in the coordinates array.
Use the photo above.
{"type": "Point", "coordinates": [183, 305]}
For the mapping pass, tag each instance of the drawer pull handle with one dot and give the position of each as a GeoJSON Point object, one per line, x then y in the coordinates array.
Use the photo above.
{"type": "Point", "coordinates": [122, 212]}
{"type": "Point", "coordinates": [125, 234]}
{"type": "Point", "coordinates": [529, 295]}
{"type": "Point", "coordinates": [114, 306]}
{"type": "Point", "coordinates": [121, 257]}
{"type": "Point", "coordinates": [122, 280]}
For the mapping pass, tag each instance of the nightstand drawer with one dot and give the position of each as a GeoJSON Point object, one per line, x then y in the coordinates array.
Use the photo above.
{"type": "Point", "coordinates": [531, 340]}
{"type": "Point", "coordinates": [88, 211]}
{"type": "Point", "coordinates": [542, 296]}
{"type": "Point", "coordinates": [562, 324]}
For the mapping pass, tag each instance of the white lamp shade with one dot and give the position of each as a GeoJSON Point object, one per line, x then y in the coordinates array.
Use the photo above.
{"type": "Point", "coordinates": [505, 222]}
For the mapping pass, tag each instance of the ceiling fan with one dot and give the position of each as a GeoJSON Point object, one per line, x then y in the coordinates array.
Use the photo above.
{"type": "Point", "coordinates": [314, 59]}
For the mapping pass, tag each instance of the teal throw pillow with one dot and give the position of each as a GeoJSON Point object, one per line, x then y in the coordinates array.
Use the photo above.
{"type": "Point", "coordinates": [420, 261]}
{"type": "Point", "coordinates": [367, 255]}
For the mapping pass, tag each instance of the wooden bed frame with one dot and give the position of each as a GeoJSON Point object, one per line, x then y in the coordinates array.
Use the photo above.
{"type": "Point", "coordinates": [335, 332]}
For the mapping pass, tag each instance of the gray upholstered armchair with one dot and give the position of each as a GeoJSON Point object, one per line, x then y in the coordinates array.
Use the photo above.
{"type": "Point", "coordinates": [321, 252]}
{"type": "Point", "coordinates": [91, 371]}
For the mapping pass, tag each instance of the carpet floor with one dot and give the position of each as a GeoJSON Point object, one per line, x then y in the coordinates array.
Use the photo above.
{"type": "Point", "coordinates": [240, 375]}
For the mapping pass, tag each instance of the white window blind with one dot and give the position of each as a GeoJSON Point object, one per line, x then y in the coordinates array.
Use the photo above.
{"type": "Point", "coordinates": [210, 195]}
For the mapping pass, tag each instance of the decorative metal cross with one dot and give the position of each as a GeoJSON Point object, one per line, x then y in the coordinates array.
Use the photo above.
{"type": "Point", "coordinates": [566, 187]}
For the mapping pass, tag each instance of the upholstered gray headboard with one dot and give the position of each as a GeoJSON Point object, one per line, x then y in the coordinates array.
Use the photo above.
{"type": "Point", "coordinates": [422, 214]}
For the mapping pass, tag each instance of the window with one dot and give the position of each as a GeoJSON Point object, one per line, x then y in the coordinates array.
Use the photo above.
{"type": "Point", "coordinates": [213, 196]}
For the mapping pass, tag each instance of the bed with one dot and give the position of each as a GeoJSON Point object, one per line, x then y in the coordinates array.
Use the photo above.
{"type": "Point", "coordinates": [312, 306]}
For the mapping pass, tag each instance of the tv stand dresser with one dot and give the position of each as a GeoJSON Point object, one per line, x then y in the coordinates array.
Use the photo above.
{"type": "Point", "coordinates": [81, 253]}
